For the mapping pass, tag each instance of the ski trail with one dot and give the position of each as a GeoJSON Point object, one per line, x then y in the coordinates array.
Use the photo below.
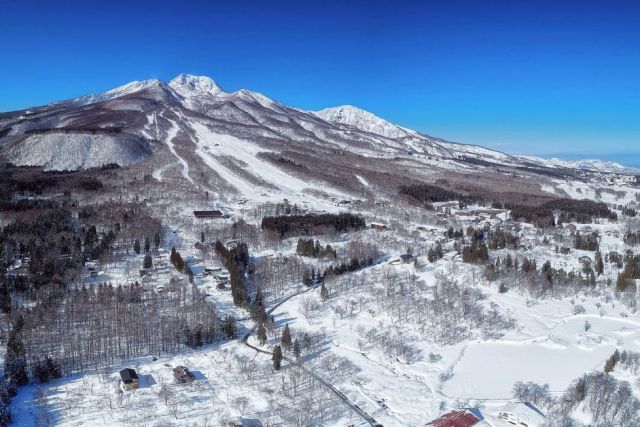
{"type": "Point", "coordinates": [245, 151]}
{"type": "Point", "coordinates": [172, 133]}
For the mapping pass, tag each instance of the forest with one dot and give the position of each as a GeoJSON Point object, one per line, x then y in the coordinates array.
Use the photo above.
{"type": "Point", "coordinates": [310, 224]}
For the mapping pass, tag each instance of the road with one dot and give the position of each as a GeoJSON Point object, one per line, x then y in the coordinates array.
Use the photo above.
{"type": "Point", "coordinates": [364, 415]}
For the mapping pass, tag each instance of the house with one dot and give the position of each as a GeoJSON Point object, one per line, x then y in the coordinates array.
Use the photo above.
{"type": "Point", "coordinates": [378, 226]}
{"type": "Point", "coordinates": [208, 214]}
{"type": "Point", "coordinates": [461, 418]}
{"type": "Point", "coordinates": [519, 414]}
{"type": "Point", "coordinates": [129, 379]}
{"type": "Point", "coordinates": [182, 374]}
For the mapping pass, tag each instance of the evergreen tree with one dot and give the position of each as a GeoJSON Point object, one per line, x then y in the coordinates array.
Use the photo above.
{"type": "Point", "coordinates": [261, 333]}
{"type": "Point", "coordinates": [286, 337]}
{"type": "Point", "coordinates": [611, 362]}
{"type": "Point", "coordinates": [599, 265]}
{"type": "Point", "coordinates": [136, 246]}
{"type": "Point", "coordinates": [156, 240]}
{"type": "Point", "coordinates": [229, 327]}
{"type": "Point", "coordinates": [296, 348]}
{"type": "Point", "coordinates": [202, 237]}
{"type": "Point", "coordinates": [148, 262]}
{"type": "Point", "coordinates": [324, 293]}
{"type": "Point", "coordinates": [277, 357]}
{"type": "Point", "coordinates": [15, 365]}
{"type": "Point", "coordinates": [147, 244]}
{"type": "Point", "coordinates": [581, 390]}
{"type": "Point", "coordinates": [306, 278]}
{"type": "Point", "coordinates": [5, 296]}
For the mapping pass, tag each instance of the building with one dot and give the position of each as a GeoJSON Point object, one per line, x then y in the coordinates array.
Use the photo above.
{"type": "Point", "coordinates": [378, 226]}
{"type": "Point", "coordinates": [519, 414]}
{"type": "Point", "coordinates": [129, 379]}
{"type": "Point", "coordinates": [208, 214]}
{"type": "Point", "coordinates": [461, 418]}
{"type": "Point", "coordinates": [182, 374]}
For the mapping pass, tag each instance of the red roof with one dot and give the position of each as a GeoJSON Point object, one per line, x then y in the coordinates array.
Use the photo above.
{"type": "Point", "coordinates": [455, 419]}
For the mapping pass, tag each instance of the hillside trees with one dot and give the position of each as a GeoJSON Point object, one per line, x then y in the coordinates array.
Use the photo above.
{"type": "Point", "coordinates": [310, 224]}
{"type": "Point", "coordinates": [236, 260]}
{"type": "Point", "coordinates": [277, 357]}
{"type": "Point", "coordinates": [75, 334]}
{"type": "Point", "coordinates": [307, 247]}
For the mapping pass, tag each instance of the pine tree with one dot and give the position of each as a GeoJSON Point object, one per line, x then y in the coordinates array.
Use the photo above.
{"type": "Point", "coordinates": [156, 240]}
{"type": "Point", "coordinates": [324, 293]}
{"type": "Point", "coordinates": [147, 244]}
{"type": "Point", "coordinates": [296, 348]}
{"type": "Point", "coordinates": [306, 278]}
{"type": "Point", "coordinates": [15, 365]}
{"type": "Point", "coordinates": [229, 327]}
{"type": "Point", "coordinates": [277, 357]}
{"type": "Point", "coordinates": [286, 337]}
{"type": "Point", "coordinates": [581, 390]}
{"type": "Point", "coordinates": [202, 237]}
{"type": "Point", "coordinates": [261, 333]}
{"type": "Point", "coordinates": [611, 362]}
{"type": "Point", "coordinates": [5, 297]}
{"type": "Point", "coordinates": [136, 246]}
{"type": "Point", "coordinates": [599, 265]}
{"type": "Point", "coordinates": [148, 262]}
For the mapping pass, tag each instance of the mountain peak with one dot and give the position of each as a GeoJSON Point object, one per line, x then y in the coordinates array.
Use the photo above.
{"type": "Point", "coordinates": [189, 83]}
{"type": "Point", "coordinates": [363, 120]}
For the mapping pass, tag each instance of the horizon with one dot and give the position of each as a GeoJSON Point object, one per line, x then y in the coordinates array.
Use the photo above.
{"type": "Point", "coordinates": [535, 80]}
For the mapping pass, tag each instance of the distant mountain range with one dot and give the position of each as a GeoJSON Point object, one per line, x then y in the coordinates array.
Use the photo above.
{"type": "Point", "coordinates": [134, 122]}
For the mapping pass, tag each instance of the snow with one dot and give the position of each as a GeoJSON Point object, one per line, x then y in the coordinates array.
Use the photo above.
{"type": "Point", "coordinates": [77, 150]}
{"type": "Point", "coordinates": [489, 370]}
{"type": "Point", "coordinates": [188, 85]}
{"type": "Point", "coordinates": [363, 120]}
{"type": "Point", "coordinates": [171, 134]}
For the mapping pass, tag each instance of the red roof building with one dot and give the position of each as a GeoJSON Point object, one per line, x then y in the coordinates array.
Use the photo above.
{"type": "Point", "coordinates": [462, 418]}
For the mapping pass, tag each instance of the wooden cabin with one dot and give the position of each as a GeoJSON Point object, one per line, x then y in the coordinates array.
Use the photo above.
{"type": "Point", "coordinates": [129, 379]}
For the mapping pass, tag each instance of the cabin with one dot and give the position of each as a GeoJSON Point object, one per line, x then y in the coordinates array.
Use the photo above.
{"type": "Point", "coordinates": [461, 418]}
{"type": "Point", "coordinates": [208, 214]}
{"type": "Point", "coordinates": [183, 375]}
{"type": "Point", "coordinates": [378, 226]}
{"type": "Point", "coordinates": [520, 414]}
{"type": "Point", "coordinates": [129, 379]}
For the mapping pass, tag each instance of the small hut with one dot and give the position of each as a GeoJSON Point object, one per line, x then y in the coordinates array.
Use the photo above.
{"type": "Point", "coordinates": [129, 379]}
{"type": "Point", "coordinates": [182, 374]}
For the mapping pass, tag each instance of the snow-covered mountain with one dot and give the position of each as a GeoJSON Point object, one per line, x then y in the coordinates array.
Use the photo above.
{"type": "Point", "coordinates": [363, 120]}
{"type": "Point", "coordinates": [141, 112]}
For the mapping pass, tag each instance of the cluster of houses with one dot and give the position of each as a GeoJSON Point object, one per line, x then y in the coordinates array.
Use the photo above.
{"type": "Point", "coordinates": [129, 379]}
{"type": "Point", "coordinates": [512, 414]}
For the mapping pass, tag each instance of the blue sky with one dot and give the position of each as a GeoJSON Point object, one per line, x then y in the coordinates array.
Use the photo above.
{"type": "Point", "coordinates": [557, 77]}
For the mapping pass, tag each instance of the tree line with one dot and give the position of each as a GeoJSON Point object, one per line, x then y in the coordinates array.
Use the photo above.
{"type": "Point", "coordinates": [310, 224]}
{"type": "Point", "coordinates": [236, 259]}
